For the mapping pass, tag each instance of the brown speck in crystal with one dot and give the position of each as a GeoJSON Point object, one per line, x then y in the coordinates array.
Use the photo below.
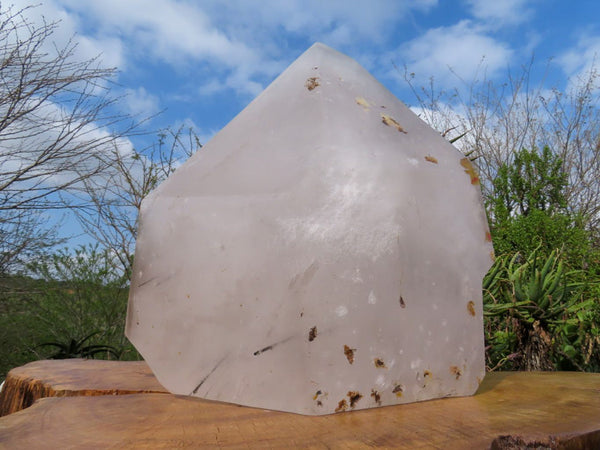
{"type": "Point", "coordinates": [354, 398]}
{"type": "Point", "coordinates": [342, 406]}
{"type": "Point", "coordinates": [391, 122]}
{"type": "Point", "coordinates": [470, 170]}
{"type": "Point", "coordinates": [311, 83]}
{"type": "Point", "coordinates": [427, 374]}
{"type": "Point", "coordinates": [362, 102]}
{"type": "Point", "coordinates": [319, 403]}
{"type": "Point", "coordinates": [379, 363]}
{"type": "Point", "coordinates": [376, 396]}
{"type": "Point", "coordinates": [471, 308]}
{"type": "Point", "coordinates": [398, 389]}
{"type": "Point", "coordinates": [349, 352]}
{"type": "Point", "coordinates": [402, 304]}
{"type": "Point", "coordinates": [262, 350]}
{"type": "Point", "coordinates": [312, 334]}
{"type": "Point", "coordinates": [431, 159]}
{"type": "Point", "coordinates": [454, 370]}
{"type": "Point", "coordinates": [317, 394]}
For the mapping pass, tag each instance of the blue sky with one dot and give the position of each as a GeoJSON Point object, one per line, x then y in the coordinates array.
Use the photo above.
{"type": "Point", "coordinates": [203, 61]}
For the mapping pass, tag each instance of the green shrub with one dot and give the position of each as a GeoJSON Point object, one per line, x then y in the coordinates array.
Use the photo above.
{"type": "Point", "coordinates": [541, 295]}
{"type": "Point", "coordinates": [73, 304]}
{"type": "Point", "coordinates": [528, 209]}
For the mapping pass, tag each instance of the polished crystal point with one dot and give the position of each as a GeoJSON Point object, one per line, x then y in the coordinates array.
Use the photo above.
{"type": "Point", "coordinates": [324, 252]}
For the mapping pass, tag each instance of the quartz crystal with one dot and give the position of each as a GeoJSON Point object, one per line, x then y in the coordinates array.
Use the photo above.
{"type": "Point", "coordinates": [324, 252]}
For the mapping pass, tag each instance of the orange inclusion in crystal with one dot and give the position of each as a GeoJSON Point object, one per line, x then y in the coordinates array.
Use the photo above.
{"type": "Point", "coordinates": [470, 170]}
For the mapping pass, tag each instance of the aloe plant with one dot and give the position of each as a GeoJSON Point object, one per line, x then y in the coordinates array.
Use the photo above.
{"type": "Point", "coordinates": [75, 348]}
{"type": "Point", "coordinates": [537, 291]}
{"type": "Point", "coordinates": [537, 313]}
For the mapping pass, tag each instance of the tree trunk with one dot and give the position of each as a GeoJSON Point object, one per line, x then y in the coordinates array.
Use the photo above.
{"type": "Point", "coordinates": [74, 377]}
{"type": "Point", "coordinates": [538, 349]}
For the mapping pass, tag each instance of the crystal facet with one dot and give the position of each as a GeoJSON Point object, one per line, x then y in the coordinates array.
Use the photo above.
{"type": "Point", "coordinates": [322, 253]}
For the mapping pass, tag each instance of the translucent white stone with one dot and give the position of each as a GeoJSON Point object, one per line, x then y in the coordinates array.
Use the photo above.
{"type": "Point", "coordinates": [324, 252]}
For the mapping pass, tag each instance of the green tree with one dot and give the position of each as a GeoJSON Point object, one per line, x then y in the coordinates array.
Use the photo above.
{"type": "Point", "coordinates": [528, 209]}
{"type": "Point", "coordinates": [74, 305]}
{"type": "Point", "coordinates": [85, 293]}
{"type": "Point", "coordinates": [534, 180]}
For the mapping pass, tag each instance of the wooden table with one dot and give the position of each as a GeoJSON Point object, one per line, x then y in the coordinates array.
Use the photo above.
{"type": "Point", "coordinates": [510, 410]}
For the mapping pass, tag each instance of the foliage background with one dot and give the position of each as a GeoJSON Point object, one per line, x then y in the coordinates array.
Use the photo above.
{"type": "Point", "coordinates": [541, 295]}
{"type": "Point", "coordinates": [69, 295]}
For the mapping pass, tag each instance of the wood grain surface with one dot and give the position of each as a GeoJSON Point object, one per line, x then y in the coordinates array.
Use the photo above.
{"type": "Point", "coordinates": [74, 377]}
{"type": "Point", "coordinates": [510, 410]}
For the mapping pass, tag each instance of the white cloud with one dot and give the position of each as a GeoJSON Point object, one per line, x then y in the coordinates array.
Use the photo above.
{"type": "Point", "coordinates": [500, 12]}
{"type": "Point", "coordinates": [210, 87]}
{"type": "Point", "coordinates": [245, 43]}
{"type": "Point", "coordinates": [62, 146]}
{"type": "Point", "coordinates": [76, 137]}
{"type": "Point", "coordinates": [336, 22]}
{"type": "Point", "coordinates": [108, 50]}
{"type": "Point", "coordinates": [463, 49]}
{"type": "Point", "coordinates": [582, 59]}
{"type": "Point", "coordinates": [167, 29]}
{"type": "Point", "coordinates": [68, 27]}
{"type": "Point", "coordinates": [141, 102]}
{"type": "Point", "coordinates": [176, 32]}
{"type": "Point", "coordinates": [449, 120]}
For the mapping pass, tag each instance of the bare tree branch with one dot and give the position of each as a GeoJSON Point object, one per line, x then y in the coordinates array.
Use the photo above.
{"type": "Point", "coordinates": [500, 119]}
{"type": "Point", "coordinates": [58, 124]}
{"type": "Point", "coordinates": [115, 199]}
